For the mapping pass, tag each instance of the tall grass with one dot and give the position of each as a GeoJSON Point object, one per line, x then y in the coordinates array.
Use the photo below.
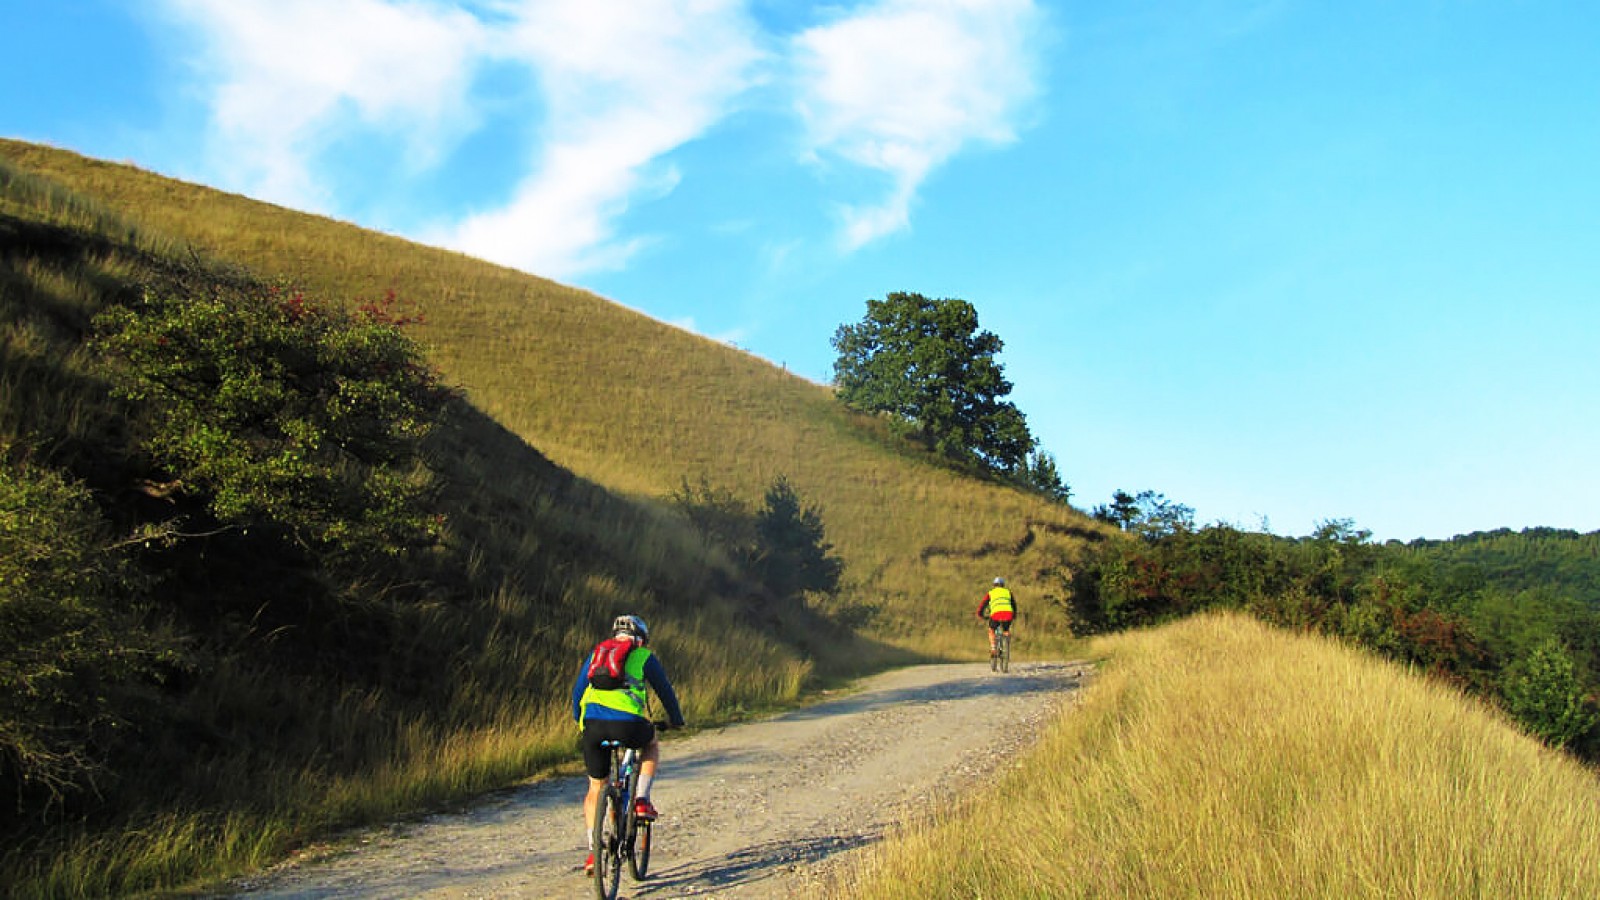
{"type": "Point", "coordinates": [166, 847]}
{"type": "Point", "coordinates": [450, 677]}
{"type": "Point", "coordinates": [1217, 757]}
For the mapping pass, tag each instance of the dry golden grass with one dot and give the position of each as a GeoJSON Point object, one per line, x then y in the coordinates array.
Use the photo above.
{"type": "Point", "coordinates": [638, 406]}
{"type": "Point", "coordinates": [1219, 758]}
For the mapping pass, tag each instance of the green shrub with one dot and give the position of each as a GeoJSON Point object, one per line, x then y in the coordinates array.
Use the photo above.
{"type": "Point", "coordinates": [792, 555]}
{"type": "Point", "coordinates": [67, 645]}
{"type": "Point", "coordinates": [281, 412]}
{"type": "Point", "coordinates": [1544, 693]}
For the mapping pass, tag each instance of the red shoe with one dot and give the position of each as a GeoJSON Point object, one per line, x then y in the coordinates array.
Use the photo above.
{"type": "Point", "coordinates": [588, 866]}
{"type": "Point", "coordinates": [644, 810]}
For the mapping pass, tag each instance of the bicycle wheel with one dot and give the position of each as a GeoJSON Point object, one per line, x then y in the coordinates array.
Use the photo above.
{"type": "Point", "coordinates": [639, 859]}
{"type": "Point", "coordinates": [607, 848]}
{"type": "Point", "coordinates": [636, 833]}
{"type": "Point", "coordinates": [1005, 651]}
{"type": "Point", "coordinates": [994, 655]}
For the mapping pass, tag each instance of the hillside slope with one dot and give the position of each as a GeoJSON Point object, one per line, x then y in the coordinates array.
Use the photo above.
{"type": "Point", "coordinates": [189, 694]}
{"type": "Point", "coordinates": [640, 406]}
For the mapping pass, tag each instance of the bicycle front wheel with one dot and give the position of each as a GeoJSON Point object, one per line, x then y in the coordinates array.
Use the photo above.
{"type": "Point", "coordinates": [639, 859]}
{"type": "Point", "coordinates": [608, 821]}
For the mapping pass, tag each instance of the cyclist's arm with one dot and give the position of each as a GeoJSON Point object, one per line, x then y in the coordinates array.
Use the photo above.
{"type": "Point", "coordinates": [577, 688]}
{"type": "Point", "coordinates": [656, 674]}
{"type": "Point", "coordinates": [983, 605]}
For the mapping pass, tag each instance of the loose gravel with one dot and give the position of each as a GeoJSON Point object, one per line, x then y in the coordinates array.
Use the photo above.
{"type": "Point", "coordinates": [766, 809]}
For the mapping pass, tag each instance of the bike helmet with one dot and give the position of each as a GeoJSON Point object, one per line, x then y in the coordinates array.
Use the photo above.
{"type": "Point", "coordinates": [632, 625]}
{"type": "Point", "coordinates": [999, 582]}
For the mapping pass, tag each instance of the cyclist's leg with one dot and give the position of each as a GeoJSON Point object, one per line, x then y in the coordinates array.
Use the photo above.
{"type": "Point", "coordinates": [649, 762]}
{"type": "Point", "coordinates": [597, 786]}
{"type": "Point", "coordinates": [642, 735]}
{"type": "Point", "coordinates": [597, 765]}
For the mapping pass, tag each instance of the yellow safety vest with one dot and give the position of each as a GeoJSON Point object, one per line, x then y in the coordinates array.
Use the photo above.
{"type": "Point", "coordinates": [630, 698]}
{"type": "Point", "coordinates": [1000, 601]}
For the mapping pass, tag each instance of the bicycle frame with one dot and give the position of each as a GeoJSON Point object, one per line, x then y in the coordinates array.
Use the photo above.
{"type": "Point", "coordinates": [1000, 659]}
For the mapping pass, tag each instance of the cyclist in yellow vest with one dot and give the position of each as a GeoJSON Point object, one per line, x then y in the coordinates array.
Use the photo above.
{"type": "Point", "coordinates": [621, 715]}
{"type": "Point", "coordinates": [999, 606]}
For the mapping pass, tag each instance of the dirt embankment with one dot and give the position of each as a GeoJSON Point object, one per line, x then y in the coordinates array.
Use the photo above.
{"type": "Point", "coordinates": [758, 810]}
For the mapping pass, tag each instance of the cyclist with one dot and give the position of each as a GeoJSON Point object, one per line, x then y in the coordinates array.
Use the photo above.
{"type": "Point", "coordinates": [620, 715]}
{"type": "Point", "coordinates": [999, 606]}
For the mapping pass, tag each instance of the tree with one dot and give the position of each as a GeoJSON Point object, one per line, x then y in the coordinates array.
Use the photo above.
{"type": "Point", "coordinates": [1149, 514]}
{"type": "Point", "coordinates": [791, 554]}
{"type": "Point", "coordinates": [926, 364]}
{"type": "Point", "coordinates": [1041, 474]}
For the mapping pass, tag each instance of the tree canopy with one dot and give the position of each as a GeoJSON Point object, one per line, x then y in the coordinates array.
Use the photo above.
{"type": "Point", "coordinates": [926, 363]}
{"type": "Point", "coordinates": [1148, 514]}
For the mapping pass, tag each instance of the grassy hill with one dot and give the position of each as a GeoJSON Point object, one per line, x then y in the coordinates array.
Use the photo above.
{"type": "Point", "coordinates": [636, 405]}
{"type": "Point", "coordinates": [1219, 757]}
{"type": "Point", "coordinates": [183, 704]}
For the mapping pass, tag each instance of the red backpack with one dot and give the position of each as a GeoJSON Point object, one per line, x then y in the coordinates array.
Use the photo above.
{"type": "Point", "coordinates": [606, 667]}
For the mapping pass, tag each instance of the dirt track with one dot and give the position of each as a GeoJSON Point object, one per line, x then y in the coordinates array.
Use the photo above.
{"type": "Point", "coordinates": [758, 810]}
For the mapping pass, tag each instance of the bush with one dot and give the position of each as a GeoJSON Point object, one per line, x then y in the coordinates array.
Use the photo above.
{"type": "Point", "coordinates": [283, 413]}
{"type": "Point", "coordinates": [67, 645]}
{"type": "Point", "coordinates": [1543, 692]}
{"type": "Point", "coordinates": [792, 555]}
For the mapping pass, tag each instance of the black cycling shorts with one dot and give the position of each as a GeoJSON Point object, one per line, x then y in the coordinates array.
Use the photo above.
{"type": "Point", "coordinates": [1000, 626]}
{"type": "Point", "coordinates": [631, 732]}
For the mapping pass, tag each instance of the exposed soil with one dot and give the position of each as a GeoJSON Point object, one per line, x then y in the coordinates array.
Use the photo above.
{"type": "Point", "coordinates": [761, 810]}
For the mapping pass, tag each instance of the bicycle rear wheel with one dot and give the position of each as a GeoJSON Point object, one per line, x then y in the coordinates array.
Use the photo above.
{"type": "Point", "coordinates": [608, 823]}
{"type": "Point", "coordinates": [1005, 651]}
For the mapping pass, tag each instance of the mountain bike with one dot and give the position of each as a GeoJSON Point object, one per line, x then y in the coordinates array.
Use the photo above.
{"type": "Point", "coordinates": [619, 834]}
{"type": "Point", "coordinates": [1001, 660]}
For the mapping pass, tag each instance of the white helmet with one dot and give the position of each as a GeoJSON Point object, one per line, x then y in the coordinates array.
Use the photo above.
{"type": "Point", "coordinates": [999, 582]}
{"type": "Point", "coordinates": [631, 625]}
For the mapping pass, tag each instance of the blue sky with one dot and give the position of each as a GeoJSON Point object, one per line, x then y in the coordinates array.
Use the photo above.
{"type": "Point", "coordinates": [1281, 261]}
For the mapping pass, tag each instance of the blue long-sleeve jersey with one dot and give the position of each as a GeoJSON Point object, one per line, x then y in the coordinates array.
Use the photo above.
{"type": "Point", "coordinates": [655, 675]}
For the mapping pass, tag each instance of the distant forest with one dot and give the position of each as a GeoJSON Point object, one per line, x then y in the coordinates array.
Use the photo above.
{"type": "Point", "coordinates": [1513, 617]}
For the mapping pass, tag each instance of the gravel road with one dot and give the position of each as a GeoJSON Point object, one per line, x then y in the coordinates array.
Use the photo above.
{"type": "Point", "coordinates": [759, 810]}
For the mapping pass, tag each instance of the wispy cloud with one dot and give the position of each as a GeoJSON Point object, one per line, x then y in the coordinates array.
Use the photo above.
{"type": "Point", "coordinates": [900, 87]}
{"type": "Point", "coordinates": [626, 82]}
{"type": "Point", "coordinates": [289, 77]}
{"type": "Point", "coordinates": [895, 86]}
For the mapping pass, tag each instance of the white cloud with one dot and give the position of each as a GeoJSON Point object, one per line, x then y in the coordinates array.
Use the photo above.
{"type": "Point", "coordinates": [289, 76]}
{"type": "Point", "coordinates": [897, 87]}
{"type": "Point", "coordinates": [626, 82]}
{"type": "Point", "coordinates": [904, 85]}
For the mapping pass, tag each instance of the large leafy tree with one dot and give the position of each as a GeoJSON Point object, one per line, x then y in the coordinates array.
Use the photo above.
{"type": "Point", "coordinates": [926, 363]}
